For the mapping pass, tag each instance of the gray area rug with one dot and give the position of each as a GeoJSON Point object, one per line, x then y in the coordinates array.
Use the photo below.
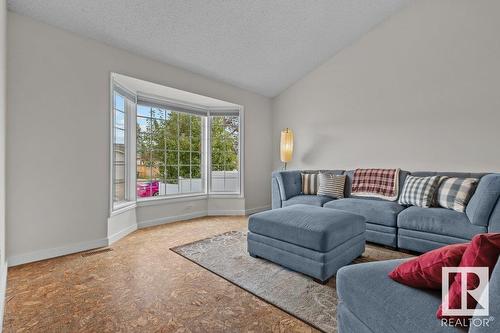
{"type": "Point", "coordinates": [226, 255]}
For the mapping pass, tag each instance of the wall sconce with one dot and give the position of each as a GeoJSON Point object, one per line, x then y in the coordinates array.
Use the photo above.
{"type": "Point", "coordinates": [286, 146]}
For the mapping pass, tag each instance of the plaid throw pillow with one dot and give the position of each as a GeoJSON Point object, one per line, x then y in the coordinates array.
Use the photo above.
{"type": "Point", "coordinates": [309, 183]}
{"type": "Point", "coordinates": [454, 193]}
{"type": "Point", "coordinates": [419, 191]}
{"type": "Point", "coordinates": [331, 185]}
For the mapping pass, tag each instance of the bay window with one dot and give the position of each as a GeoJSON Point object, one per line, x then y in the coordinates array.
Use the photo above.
{"type": "Point", "coordinates": [164, 148]}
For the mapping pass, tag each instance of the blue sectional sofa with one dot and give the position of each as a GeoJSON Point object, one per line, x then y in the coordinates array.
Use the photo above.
{"type": "Point", "coordinates": [412, 228]}
{"type": "Point", "coordinates": [370, 302]}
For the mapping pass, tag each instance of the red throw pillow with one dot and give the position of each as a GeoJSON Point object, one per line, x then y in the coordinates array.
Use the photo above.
{"type": "Point", "coordinates": [483, 251]}
{"type": "Point", "coordinates": [425, 270]}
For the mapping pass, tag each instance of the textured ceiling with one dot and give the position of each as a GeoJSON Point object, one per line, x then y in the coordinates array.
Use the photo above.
{"type": "Point", "coordinates": [260, 45]}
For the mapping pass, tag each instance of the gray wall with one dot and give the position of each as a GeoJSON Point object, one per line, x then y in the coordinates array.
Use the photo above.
{"type": "Point", "coordinates": [58, 135]}
{"type": "Point", "coordinates": [420, 91]}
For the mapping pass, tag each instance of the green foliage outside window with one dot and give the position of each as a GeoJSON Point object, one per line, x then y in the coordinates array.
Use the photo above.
{"type": "Point", "coordinates": [170, 143]}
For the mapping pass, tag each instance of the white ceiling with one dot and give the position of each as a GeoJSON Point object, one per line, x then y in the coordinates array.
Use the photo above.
{"type": "Point", "coordinates": [260, 45]}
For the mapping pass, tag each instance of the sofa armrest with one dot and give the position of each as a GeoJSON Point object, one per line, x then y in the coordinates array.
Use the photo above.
{"type": "Point", "coordinates": [494, 221]}
{"type": "Point", "coordinates": [484, 201]}
{"type": "Point", "coordinates": [275, 194]}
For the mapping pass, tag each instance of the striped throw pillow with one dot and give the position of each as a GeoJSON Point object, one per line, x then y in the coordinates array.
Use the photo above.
{"type": "Point", "coordinates": [331, 185]}
{"type": "Point", "coordinates": [419, 191]}
{"type": "Point", "coordinates": [454, 193]}
{"type": "Point", "coordinates": [309, 183]}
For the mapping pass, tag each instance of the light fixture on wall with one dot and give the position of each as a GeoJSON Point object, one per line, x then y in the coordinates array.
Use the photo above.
{"type": "Point", "coordinates": [286, 146]}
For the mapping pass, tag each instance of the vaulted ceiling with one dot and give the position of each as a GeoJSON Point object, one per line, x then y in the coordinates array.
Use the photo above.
{"type": "Point", "coordinates": [260, 45]}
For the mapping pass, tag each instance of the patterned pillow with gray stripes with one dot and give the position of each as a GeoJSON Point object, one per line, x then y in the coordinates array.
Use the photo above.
{"type": "Point", "coordinates": [454, 193]}
{"type": "Point", "coordinates": [309, 183]}
{"type": "Point", "coordinates": [331, 185]}
{"type": "Point", "coordinates": [419, 191]}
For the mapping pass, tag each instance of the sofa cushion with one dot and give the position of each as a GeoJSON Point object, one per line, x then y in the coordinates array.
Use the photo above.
{"type": "Point", "coordinates": [438, 221]}
{"type": "Point", "coordinates": [314, 200]}
{"type": "Point", "coordinates": [375, 211]}
{"type": "Point", "coordinates": [384, 305]}
{"type": "Point", "coordinates": [484, 200]}
{"type": "Point", "coordinates": [311, 227]}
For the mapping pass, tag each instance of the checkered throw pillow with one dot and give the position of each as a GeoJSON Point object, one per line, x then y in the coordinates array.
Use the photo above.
{"type": "Point", "coordinates": [454, 193]}
{"type": "Point", "coordinates": [309, 183]}
{"type": "Point", "coordinates": [331, 185]}
{"type": "Point", "coordinates": [419, 191]}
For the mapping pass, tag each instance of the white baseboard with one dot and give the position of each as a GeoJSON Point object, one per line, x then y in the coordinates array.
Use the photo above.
{"type": "Point", "coordinates": [223, 212]}
{"type": "Point", "coordinates": [122, 233]}
{"type": "Point", "coordinates": [251, 211]}
{"type": "Point", "coordinates": [170, 219]}
{"type": "Point", "coordinates": [56, 252]}
{"type": "Point", "coordinates": [3, 290]}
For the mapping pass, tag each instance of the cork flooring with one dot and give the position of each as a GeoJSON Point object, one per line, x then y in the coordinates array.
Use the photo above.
{"type": "Point", "coordinates": [140, 286]}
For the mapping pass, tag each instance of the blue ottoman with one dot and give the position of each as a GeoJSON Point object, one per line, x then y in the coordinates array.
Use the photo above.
{"type": "Point", "coordinates": [308, 239]}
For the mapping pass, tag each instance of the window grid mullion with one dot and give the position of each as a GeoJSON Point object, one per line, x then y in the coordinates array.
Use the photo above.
{"type": "Point", "coordinates": [179, 187]}
{"type": "Point", "coordinates": [165, 153]}
{"type": "Point", "coordinates": [190, 148]}
{"type": "Point", "coordinates": [150, 149]}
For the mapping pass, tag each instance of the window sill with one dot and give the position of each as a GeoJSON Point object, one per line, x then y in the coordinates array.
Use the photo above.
{"type": "Point", "coordinates": [152, 201]}
{"type": "Point", "coordinates": [123, 207]}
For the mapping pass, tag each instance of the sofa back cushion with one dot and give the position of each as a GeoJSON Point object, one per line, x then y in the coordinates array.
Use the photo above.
{"type": "Point", "coordinates": [448, 174]}
{"type": "Point", "coordinates": [484, 200]}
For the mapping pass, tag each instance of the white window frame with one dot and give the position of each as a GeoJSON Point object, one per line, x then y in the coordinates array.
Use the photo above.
{"type": "Point", "coordinates": [129, 146]}
{"type": "Point", "coordinates": [222, 194]}
{"type": "Point", "coordinates": [131, 151]}
{"type": "Point", "coordinates": [203, 161]}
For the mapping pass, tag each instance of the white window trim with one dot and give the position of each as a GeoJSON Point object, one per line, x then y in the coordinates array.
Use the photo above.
{"type": "Point", "coordinates": [133, 201]}
{"type": "Point", "coordinates": [130, 137]}
{"type": "Point", "coordinates": [241, 156]}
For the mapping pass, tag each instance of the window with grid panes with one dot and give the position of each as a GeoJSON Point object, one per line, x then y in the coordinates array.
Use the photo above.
{"type": "Point", "coordinates": [169, 152]}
